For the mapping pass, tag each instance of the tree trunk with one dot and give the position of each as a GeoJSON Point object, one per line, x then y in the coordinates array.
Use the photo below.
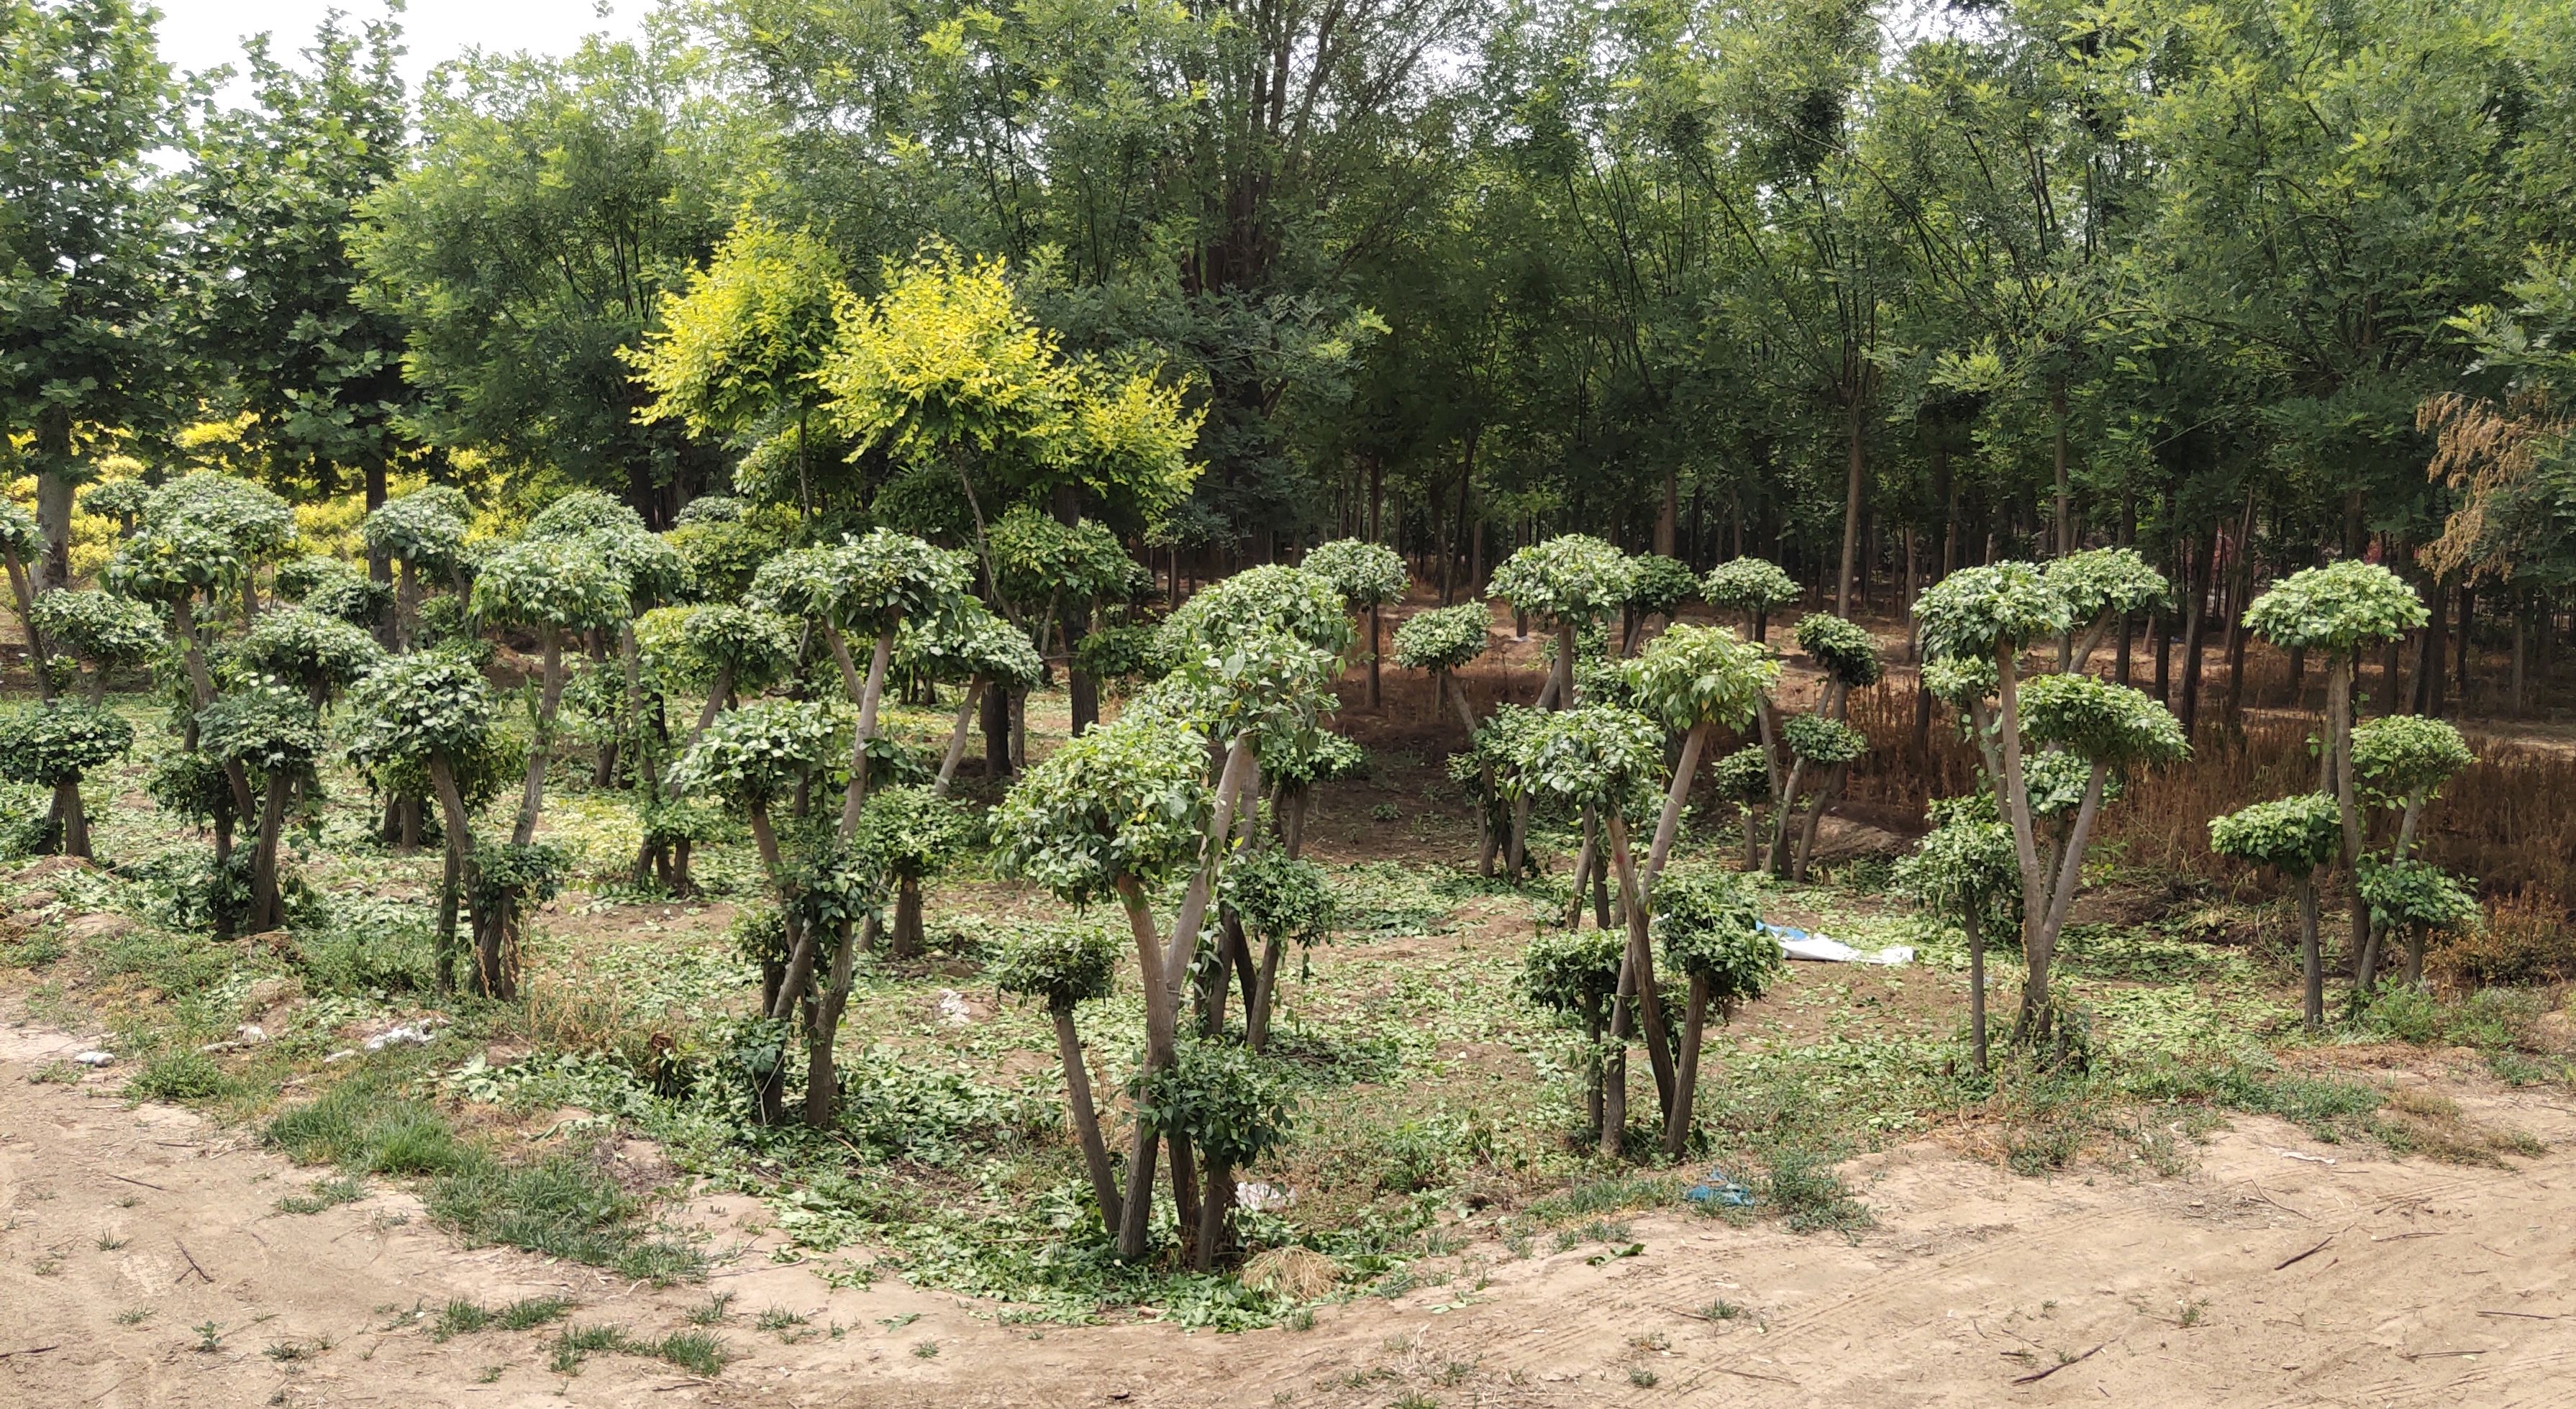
{"type": "Point", "coordinates": [1086, 1121]}
{"type": "Point", "coordinates": [906, 942]}
{"type": "Point", "coordinates": [263, 859]}
{"type": "Point", "coordinates": [1637, 968]}
{"type": "Point", "coordinates": [1975, 931]}
{"type": "Point", "coordinates": [54, 474]}
{"type": "Point", "coordinates": [997, 733]}
{"type": "Point", "coordinates": [1852, 487]}
{"type": "Point", "coordinates": [75, 820]}
{"type": "Point", "coordinates": [1677, 1121]}
{"type": "Point", "coordinates": [2312, 973]}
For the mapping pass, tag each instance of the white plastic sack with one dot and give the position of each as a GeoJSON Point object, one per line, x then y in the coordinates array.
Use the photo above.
{"type": "Point", "coordinates": [1798, 944]}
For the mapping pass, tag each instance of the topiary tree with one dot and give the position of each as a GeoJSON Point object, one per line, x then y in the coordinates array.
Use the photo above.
{"type": "Point", "coordinates": [1371, 577]}
{"type": "Point", "coordinates": [254, 524]}
{"type": "Point", "coordinates": [2400, 762]}
{"type": "Point", "coordinates": [911, 833]}
{"type": "Point", "coordinates": [1570, 971]}
{"type": "Point", "coordinates": [1117, 813]}
{"type": "Point", "coordinates": [1659, 588]}
{"type": "Point", "coordinates": [975, 651]}
{"type": "Point", "coordinates": [1065, 968]}
{"type": "Point", "coordinates": [1751, 586]}
{"type": "Point", "coordinates": [427, 724]}
{"type": "Point", "coordinates": [1492, 760]}
{"type": "Point", "coordinates": [2100, 585]}
{"type": "Point", "coordinates": [1695, 680]}
{"type": "Point", "coordinates": [1051, 576]}
{"type": "Point", "coordinates": [1295, 763]}
{"type": "Point", "coordinates": [1710, 923]}
{"type": "Point", "coordinates": [751, 758]}
{"type": "Point", "coordinates": [2294, 836]}
{"type": "Point", "coordinates": [54, 745]}
{"type": "Point", "coordinates": [2337, 612]}
{"type": "Point", "coordinates": [319, 655]}
{"type": "Point", "coordinates": [553, 587]}
{"type": "Point", "coordinates": [1848, 657]}
{"type": "Point", "coordinates": [101, 630]}
{"type": "Point", "coordinates": [1443, 641]}
{"type": "Point", "coordinates": [1277, 899]}
{"type": "Point", "coordinates": [1232, 1106]}
{"type": "Point", "coordinates": [1597, 758]}
{"type": "Point", "coordinates": [868, 587]}
{"type": "Point", "coordinates": [119, 499]}
{"type": "Point", "coordinates": [1571, 582]}
{"type": "Point", "coordinates": [2414, 900]}
{"type": "Point", "coordinates": [1991, 614]}
{"type": "Point", "coordinates": [1745, 779]}
{"type": "Point", "coordinates": [273, 733]}
{"type": "Point", "coordinates": [421, 532]}
{"type": "Point", "coordinates": [1963, 871]}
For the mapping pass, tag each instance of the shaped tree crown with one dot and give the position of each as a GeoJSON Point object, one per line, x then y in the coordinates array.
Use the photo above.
{"type": "Point", "coordinates": [1694, 675]}
{"type": "Point", "coordinates": [1569, 970]}
{"type": "Point", "coordinates": [1444, 638]}
{"type": "Point", "coordinates": [1037, 559]}
{"type": "Point", "coordinates": [2293, 835]}
{"type": "Point", "coordinates": [1844, 650]}
{"type": "Point", "coordinates": [1366, 574]}
{"type": "Point", "coordinates": [1279, 897]}
{"type": "Point", "coordinates": [1820, 740]}
{"type": "Point", "coordinates": [1294, 601]}
{"type": "Point", "coordinates": [425, 528]}
{"type": "Point", "coordinates": [2416, 897]}
{"type": "Point", "coordinates": [411, 707]}
{"type": "Point", "coordinates": [558, 583]}
{"type": "Point", "coordinates": [1064, 965]}
{"type": "Point", "coordinates": [2097, 581]}
{"type": "Point", "coordinates": [56, 742]}
{"type": "Point", "coordinates": [2400, 755]}
{"type": "Point", "coordinates": [1964, 866]}
{"type": "Point", "coordinates": [2337, 609]}
{"type": "Point", "coordinates": [1592, 756]}
{"type": "Point", "coordinates": [1710, 923]}
{"type": "Point", "coordinates": [1748, 585]}
{"type": "Point", "coordinates": [752, 755]}
{"type": "Point", "coordinates": [2101, 722]}
{"type": "Point", "coordinates": [911, 831]}
{"type": "Point", "coordinates": [98, 626]}
{"type": "Point", "coordinates": [1659, 585]}
{"type": "Point", "coordinates": [1123, 801]}
{"type": "Point", "coordinates": [308, 649]}
{"type": "Point", "coordinates": [1977, 611]}
{"type": "Point", "coordinates": [1571, 579]}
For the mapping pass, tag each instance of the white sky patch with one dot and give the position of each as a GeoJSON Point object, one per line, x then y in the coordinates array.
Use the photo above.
{"type": "Point", "coordinates": [197, 35]}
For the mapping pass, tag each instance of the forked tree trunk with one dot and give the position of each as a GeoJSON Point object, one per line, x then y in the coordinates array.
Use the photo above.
{"type": "Point", "coordinates": [1639, 1006]}
{"type": "Point", "coordinates": [1677, 1121]}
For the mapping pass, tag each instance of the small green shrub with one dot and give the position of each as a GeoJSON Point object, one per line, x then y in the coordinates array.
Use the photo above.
{"type": "Point", "coordinates": [182, 1077]}
{"type": "Point", "coordinates": [562, 1207]}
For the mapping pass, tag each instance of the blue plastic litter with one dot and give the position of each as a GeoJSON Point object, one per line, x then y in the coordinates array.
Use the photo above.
{"type": "Point", "coordinates": [1783, 931]}
{"type": "Point", "coordinates": [1721, 1189]}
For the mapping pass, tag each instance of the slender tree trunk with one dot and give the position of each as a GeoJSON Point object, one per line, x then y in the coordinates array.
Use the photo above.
{"type": "Point", "coordinates": [2312, 973]}
{"type": "Point", "coordinates": [1975, 931]}
{"type": "Point", "coordinates": [1086, 1121]}
{"type": "Point", "coordinates": [1853, 485]}
{"type": "Point", "coordinates": [1637, 968]}
{"type": "Point", "coordinates": [1677, 1121]}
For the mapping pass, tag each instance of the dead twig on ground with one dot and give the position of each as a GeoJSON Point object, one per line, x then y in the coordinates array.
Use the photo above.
{"type": "Point", "coordinates": [2036, 1376]}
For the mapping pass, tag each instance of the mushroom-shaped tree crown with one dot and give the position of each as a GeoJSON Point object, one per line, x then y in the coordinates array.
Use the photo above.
{"type": "Point", "coordinates": [1820, 740]}
{"type": "Point", "coordinates": [1232, 1103]}
{"type": "Point", "coordinates": [98, 626]}
{"type": "Point", "coordinates": [912, 831]}
{"type": "Point", "coordinates": [1566, 970]}
{"type": "Point", "coordinates": [425, 528]}
{"type": "Point", "coordinates": [1444, 638]}
{"type": "Point", "coordinates": [2337, 609]}
{"type": "Point", "coordinates": [1279, 897]}
{"type": "Point", "coordinates": [1659, 585]}
{"type": "Point", "coordinates": [2401, 755]}
{"type": "Point", "coordinates": [581, 512]}
{"type": "Point", "coordinates": [58, 741]}
{"type": "Point", "coordinates": [1695, 675]}
{"type": "Point", "coordinates": [1844, 650]}
{"type": "Point", "coordinates": [1366, 574]}
{"type": "Point", "coordinates": [1710, 923]}
{"type": "Point", "coordinates": [1263, 682]}
{"type": "Point", "coordinates": [1742, 776]}
{"type": "Point", "coordinates": [309, 650]}
{"type": "Point", "coordinates": [1298, 758]}
{"type": "Point", "coordinates": [556, 583]}
{"type": "Point", "coordinates": [1961, 681]}
{"type": "Point", "coordinates": [1593, 756]}
{"type": "Point", "coordinates": [2100, 580]}
{"type": "Point", "coordinates": [755, 646]}
{"type": "Point", "coordinates": [652, 567]}
{"type": "Point", "coordinates": [1124, 801]}
{"type": "Point", "coordinates": [1037, 558]}
{"type": "Point", "coordinates": [2293, 835]}
{"type": "Point", "coordinates": [1976, 611]}
{"type": "Point", "coordinates": [1291, 601]}
{"type": "Point", "coordinates": [1965, 866]}
{"type": "Point", "coordinates": [411, 707]}
{"type": "Point", "coordinates": [116, 498]}
{"type": "Point", "coordinates": [1748, 585]}
{"type": "Point", "coordinates": [1571, 579]}
{"type": "Point", "coordinates": [261, 726]}
{"type": "Point", "coordinates": [971, 643]}
{"type": "Point", "coordinates": [864, 585]}
{"type": "Point", "coordinates": [2415, 897]}
{"type": "Point", "coordinates": [1063, 965]}
{"type": "Point", "coordinates": [751, 756]}
{"type": "Point", "coordinates": [259, 523]}
{"type": "Point", "coordinates": [2101, 722]}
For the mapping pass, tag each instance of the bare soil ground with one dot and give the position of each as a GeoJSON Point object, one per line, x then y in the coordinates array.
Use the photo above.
{"type": "Point", "coordinates": [2280, 1271]}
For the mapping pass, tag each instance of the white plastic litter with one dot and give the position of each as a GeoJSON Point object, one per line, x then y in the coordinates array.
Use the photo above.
{"type": "Point", "coordinates": [952, 1006]}
{"type": "Point", "coordinates": [1258, 1197]}
{"type": "Point", "coordinates": [403, 1035]}
{"type": "Point", "coordinates": [1798, 944]}
{"type": "Point", "coordinates": [94, 1058]}
{"type": "Point", "coordinates": [251, 1032]}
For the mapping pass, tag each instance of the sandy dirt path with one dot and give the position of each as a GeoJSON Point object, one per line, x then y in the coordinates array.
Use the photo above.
{"type": "Point", "coordinates": [2265, 1277]}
